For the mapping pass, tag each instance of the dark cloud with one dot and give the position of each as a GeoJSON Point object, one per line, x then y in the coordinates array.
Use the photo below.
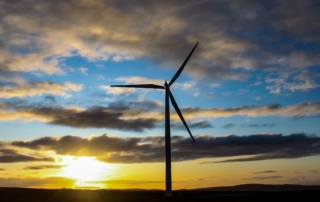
{"type": "Point", "coordinates": [229, 125]}
{"type": "Point", "coordinates": [2, 169]}
{"type": "Point", "coordinates": [266, 171]}
{"type": "Point", "coordinates": [150, 149]}
{"type": "Point", "coordinates": [193, 125]}
{"type": "Point", "coordinates": [142, 105]}
{"type": "Point", "coordinates": [41, 167]}
{"type": "Point", "coordinates": [115, 116]}
{"type": "Point", "coordinates": [201, 124]}
{"type": "Point", "coordinates": [260, 125]}
{"type": "Point", "coordinates": [296, 111]}
{"type": "Point", "coordinates": [51, 99]}
{"type": "Point", "coordinates": [314, 171]}
{"type": "Point", "coordinates": [12, 156]}
{"type": "Point", "coordinates": [138, 116]}
{"type": "Point", "coordinates": [263, 178]}
{"type": "Point", "coordinates": [298, 178]}
{"type": "Point", "coordinates": [98, 117]}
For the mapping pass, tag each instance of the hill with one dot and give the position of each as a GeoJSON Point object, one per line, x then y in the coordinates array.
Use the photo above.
{"type": "Point", "coordinates": [262, 187]}
{"type": "Point", "coordinates": [247, 193]}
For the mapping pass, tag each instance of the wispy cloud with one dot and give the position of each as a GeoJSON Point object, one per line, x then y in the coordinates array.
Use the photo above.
{"type": "Point", "coordinates": [41, 167]}
{"type": "Point", "coordinates": [296, 111]}
{"type": "Point", "coordinates": [260, 125]}
{"type": "Point", "coordinates": [189, 87]}
{"type": "Point", "coordinates": [127, 182]}
{"type": "Point", "coordinates": [263, 178]}
{"type": "Point", "coordinates": [51, 99]}
{"type": "Point", "coordinates": [298, 178]}
{"type": "Point", "coordinates": [130, 80]}
{"type": "Point", "coordinates": [11, 90]}
{"type": "Point", "coordinates": [314, 171]}
{"type": "Point", "coordinates": [303, 81]}
{"type": "Point", "coordinates": [266, 171]}
{"type": "Point", "coordinates": [201, 124]}
{"type": "Point", "coordinates": [229, 125]}
{"type": "Point", "coordinates": [140, 80]}
{"type": "Point", "coordinates": [117, 91]}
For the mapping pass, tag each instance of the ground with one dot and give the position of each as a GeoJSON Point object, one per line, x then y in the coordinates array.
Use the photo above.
{"type": "Point", "coordinates": [69, 195]}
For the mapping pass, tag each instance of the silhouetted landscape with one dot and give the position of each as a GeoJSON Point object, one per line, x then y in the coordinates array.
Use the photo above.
{"type": "Point", "coordinates": [247, 192]}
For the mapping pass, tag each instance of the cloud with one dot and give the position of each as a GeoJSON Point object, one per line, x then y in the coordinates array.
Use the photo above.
{"type": "Point", "coordinates": [41, 167]}
{"type": "Point", "coordinates": [232, 36]}
{"type": "Point", "coordinates": [12, 156]}
{"type": "Point", "coordinates": [117, 91]}
{"type": "Point", "coordinates": [140, 80]}
{"type": "Point", "coordinates": [314, 171]}
{"type": "Point", "coordinates": [296, 111]}
{"type": "Point", "coordinates": [51, 99]}
{"type": "Point", "coordinates": [229, 125]}
{"type": "Point", "coordinates": [131, 80]}
{"type": "Point", "coordinates": [298, 178]}
{"type": "Point", "coordinates": [38, 88]}
{"type": "Point", "coordinates": [201, 124]}
{"type": "Point", "coordinates": [138, 116]}
{"type": "Point", "coordinates": [266, 171]}
{"type": "Point", "coordinates": [260, 125]}
{"type": "Point", "coordinates": [263, 178]}
{"type": "Point", "coordinates": [126, 182]}
{"type": "Point", "coordinates": [114, 149]}
{"type": "Point", "coordinates": [131, 116]}
{"type": "Point", "coordinates": [186, 86]}
{"type": "Point", "coordinates": [302, 81]}
{"type": "Point", "coordinates": [215, 85]}
{"type": "Point", "coordinates": [82, 70]}
{"type": "Point", "coordinates": [189, 87]}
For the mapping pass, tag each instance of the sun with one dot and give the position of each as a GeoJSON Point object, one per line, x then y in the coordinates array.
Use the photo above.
{"type": "Point", "coordinates": [87, 171]}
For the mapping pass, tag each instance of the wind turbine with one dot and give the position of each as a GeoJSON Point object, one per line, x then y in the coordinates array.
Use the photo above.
{"type": "Point", "coordinates": [167, 117]}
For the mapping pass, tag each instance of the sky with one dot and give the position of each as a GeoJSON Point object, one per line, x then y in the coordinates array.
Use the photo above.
{"type": "Point", "coordinates": [249, 93]}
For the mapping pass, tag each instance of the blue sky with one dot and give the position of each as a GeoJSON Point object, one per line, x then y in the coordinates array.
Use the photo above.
{"type": "Point", "coordinates": [255, 73]}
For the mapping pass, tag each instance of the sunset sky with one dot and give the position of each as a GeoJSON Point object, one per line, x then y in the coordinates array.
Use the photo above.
{"type": "Point", "coordinates": [250, 93]}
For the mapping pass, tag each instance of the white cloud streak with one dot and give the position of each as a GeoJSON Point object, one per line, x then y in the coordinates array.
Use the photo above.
{"type": "Point", "coordinates": [38, 88]}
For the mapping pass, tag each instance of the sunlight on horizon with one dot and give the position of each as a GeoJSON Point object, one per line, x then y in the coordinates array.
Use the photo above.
{"type": "Point", "coordinates": [87, 171]}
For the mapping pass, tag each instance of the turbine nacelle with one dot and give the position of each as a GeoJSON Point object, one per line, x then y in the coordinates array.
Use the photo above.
{"type": "Point", "coordinates": [166, 84]}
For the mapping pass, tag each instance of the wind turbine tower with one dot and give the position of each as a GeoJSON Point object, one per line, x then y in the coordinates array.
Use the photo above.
{"type": "Point", "coordinates": [168, 97]}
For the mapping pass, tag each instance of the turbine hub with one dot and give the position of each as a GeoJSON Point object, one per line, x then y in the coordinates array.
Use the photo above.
{"type": "Point", "coordinates": [165, 84]}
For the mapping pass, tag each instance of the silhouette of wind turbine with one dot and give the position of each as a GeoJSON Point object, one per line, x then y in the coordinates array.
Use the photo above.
{"type": "Point", "coordinates": [167, 117]}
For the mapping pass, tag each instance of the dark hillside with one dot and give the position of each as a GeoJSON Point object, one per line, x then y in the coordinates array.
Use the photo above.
{"type": "Point", "coordinates": [206, 194]}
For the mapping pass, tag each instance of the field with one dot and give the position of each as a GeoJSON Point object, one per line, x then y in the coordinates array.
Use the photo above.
{"type": "Point", "coordinates": [70, 195]}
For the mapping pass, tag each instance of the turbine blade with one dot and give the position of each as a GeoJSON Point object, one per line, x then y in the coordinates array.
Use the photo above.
{"type": "Point", "coordinates": [139, 86]}
{"type": "Point", "coordinates": [182, 66]}
{"type": "Point", "coordinates": [179, 113]}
